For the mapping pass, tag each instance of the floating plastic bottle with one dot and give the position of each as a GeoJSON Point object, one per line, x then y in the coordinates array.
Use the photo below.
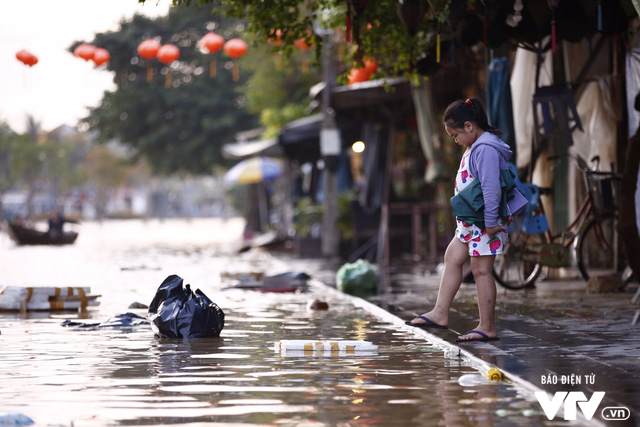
{"type": "Point", "coordinates": [325, 346]}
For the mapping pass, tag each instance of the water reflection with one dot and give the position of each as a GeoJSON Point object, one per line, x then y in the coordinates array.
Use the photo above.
{"type": "Point", "coordinates": [65, 376]}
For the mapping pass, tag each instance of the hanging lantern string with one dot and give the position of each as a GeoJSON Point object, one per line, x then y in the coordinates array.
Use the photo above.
{"type": "Point", "coordinates": [484, 23]}
{"type": "Point", "coordinates": [213, 68]}
{"type": "Point", "coordinates": [235, 74]}
{"type": "Point", "coordinates": [553, 36]}
{"type": "Point", "coordinates": [552, 5]}
{"type": "Point", "coordinates": [438, 43]}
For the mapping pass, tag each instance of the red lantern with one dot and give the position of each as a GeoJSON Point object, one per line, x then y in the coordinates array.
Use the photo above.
{"type": "Point", "coordinates": [235, 48]}
{"type": "Point", "coordinates": [370, 65]}
{"type": "Point", "coordinates": [148, 50]}
{"type": "Point", "coordinates": [84, 51]}
{"type": "Point", "coordinates": [22, 56]}
{"type": "Point", "coordinates": [358, 75]}
{"type": "Point", "coordinates": [167, 54]}
{"type": "Point", "coordinates": [213, 42]}
{"type": "Point", "coordinates": [100, 56]}
{"type": "Point", "coordinates": [32, 60]}
{"type": "Point", "coordinates": [302, 44]}
{"type": "Point", "coordinates": [275, 37]}
{"type": "Point", "coordinates": [27, 58]}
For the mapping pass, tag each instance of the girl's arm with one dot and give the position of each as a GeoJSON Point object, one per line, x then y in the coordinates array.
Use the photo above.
{"type": "Point", "coordinates": [487, 162]}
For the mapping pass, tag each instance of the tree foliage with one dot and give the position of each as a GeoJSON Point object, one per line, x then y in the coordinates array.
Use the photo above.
{"type": "Point", "coordinates": [182, 127]}
{"type": "Point", "coordinates": [395, 33]}
{"type": "Point", "coordinates": [278, 89]}
{"type": "Point", "coordinates": [104, 172]}
{"type": "Point", "coordinates": [8, 147]}
{"type": "Point", "coordinates": [36, 162]}
{"type": "Point", "coordinates": [413, 37]}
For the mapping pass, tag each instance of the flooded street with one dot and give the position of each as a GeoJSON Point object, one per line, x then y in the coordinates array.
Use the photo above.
{"type": "Point", "coordinates": [67, 376]}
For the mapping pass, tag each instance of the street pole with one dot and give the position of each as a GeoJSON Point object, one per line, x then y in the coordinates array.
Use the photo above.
{"type": "Point", "coordinates": [329, 150]}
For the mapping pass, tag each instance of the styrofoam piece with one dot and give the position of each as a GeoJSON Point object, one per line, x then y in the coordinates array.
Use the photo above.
{"type": "Point", "coordinates": [14, 298]}
{"type": "Point", "coordinates": [322, 346]}
{"type": "Point", "coordinates": [58, 305]}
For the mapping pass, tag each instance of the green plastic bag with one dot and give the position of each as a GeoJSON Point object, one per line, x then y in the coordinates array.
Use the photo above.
{"type": "Point", "coordinates": [358, 279]}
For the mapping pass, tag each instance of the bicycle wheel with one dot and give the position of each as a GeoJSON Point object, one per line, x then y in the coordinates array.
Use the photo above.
{"type": "Point", "coordinates": [598, 252]}
{"type": "Point", "coordinates": [512, 269]}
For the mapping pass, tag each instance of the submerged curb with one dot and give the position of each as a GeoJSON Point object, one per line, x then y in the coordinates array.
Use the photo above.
{"type": "Point", "coordinates": [451, 351]}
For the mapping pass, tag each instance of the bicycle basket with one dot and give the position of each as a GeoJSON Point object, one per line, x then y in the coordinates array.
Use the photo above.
{"type": "Point", "coordinates": [549, 254]}
{"type": "Point", "coordinates": [604, 188]}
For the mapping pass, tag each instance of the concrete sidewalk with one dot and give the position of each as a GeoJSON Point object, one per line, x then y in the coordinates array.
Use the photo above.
{"type": "Point", "coordinates": [549, 335]}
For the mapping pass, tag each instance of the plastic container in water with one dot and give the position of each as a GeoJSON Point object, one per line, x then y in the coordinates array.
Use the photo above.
{"type": "Point", "coordinates": [325, 346]}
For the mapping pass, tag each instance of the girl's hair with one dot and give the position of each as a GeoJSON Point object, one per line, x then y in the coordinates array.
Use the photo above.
{"type": "Point", "coordinates": [468, 110]}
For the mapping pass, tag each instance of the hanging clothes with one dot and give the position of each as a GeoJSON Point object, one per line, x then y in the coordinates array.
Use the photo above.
{"type": "Point", "coordinates": [428, 131]}
{"type": "Point", "coordinates": [499, 104]}
{"type": "Point", "coordinates": [633, 88]}
{"type": "Point", "coordinates": [597, 113]}
{"type": "Point", "coordinates": [523, 85]}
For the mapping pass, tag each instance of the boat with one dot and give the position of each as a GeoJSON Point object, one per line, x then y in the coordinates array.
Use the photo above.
{"type": "Point", "coordinates": [30, 236]}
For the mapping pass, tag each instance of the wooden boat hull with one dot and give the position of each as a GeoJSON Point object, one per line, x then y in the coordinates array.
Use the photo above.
{"type": "Point", "coordinates": [29, 236]}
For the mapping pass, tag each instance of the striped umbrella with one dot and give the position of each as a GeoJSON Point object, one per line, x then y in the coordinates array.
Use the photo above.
{"type": "Point", "coordinates": [253, 170]}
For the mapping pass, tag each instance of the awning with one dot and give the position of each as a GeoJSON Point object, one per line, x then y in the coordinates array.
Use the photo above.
{"type": "Point", "coordinates": [367, 94]}
{"type": "Point", "coordinates": [300, 139]}
{"type": "Point", "coordinates": [241, 150]}
{"type": "Point", "coordinates": [304, 128]}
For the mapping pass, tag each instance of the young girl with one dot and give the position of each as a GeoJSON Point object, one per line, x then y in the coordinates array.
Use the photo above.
{"type": "Point", "coordinates": [483, 238]}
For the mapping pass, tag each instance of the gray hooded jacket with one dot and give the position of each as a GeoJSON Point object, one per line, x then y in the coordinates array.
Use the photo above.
{"type": "Point", "coordinates": [489, 156]}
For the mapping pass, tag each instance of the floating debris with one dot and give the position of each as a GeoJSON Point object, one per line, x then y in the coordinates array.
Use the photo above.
{"type": "Point", "coordinates": [15, 420]}
{"type": "Point", "coordinates": [319, 347]}
{"type": "Point", "coordinates": [33, 298]}
{"type": "Point", "coordinates": [317, 304]}
{"type": "Point", "coordinates": [119, 321]}
{"type": "Point", "coordinates": [257, 281]}
{"type": "Point", "coordinates": [137, 304]}
{"type": "Point", "coordinates": [139, 268]}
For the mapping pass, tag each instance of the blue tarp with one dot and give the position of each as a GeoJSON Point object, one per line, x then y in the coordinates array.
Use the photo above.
{"type": "Point", "coordinates": [499, 105]}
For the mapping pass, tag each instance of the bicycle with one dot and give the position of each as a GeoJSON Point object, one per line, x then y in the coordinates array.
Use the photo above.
{"type": "Point", "coordinates": [591, 236]}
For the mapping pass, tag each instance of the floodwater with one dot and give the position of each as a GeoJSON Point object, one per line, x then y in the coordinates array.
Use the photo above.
{"type": "Point", "coordinates": [63, 376]}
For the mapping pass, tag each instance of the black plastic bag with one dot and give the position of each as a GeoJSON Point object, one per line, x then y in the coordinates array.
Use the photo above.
{"type": "Point", "coordinates": [178, 312]}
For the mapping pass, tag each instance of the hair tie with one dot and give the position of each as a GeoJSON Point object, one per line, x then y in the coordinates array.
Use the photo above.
{"type": "Point", "coordinates": [468, 101]}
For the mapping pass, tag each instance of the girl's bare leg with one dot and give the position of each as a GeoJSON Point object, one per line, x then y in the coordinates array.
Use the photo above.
{"type": "Point", "coordinates": [481, 267]}
{"type": "Point", "coordinates": [454, 258]}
